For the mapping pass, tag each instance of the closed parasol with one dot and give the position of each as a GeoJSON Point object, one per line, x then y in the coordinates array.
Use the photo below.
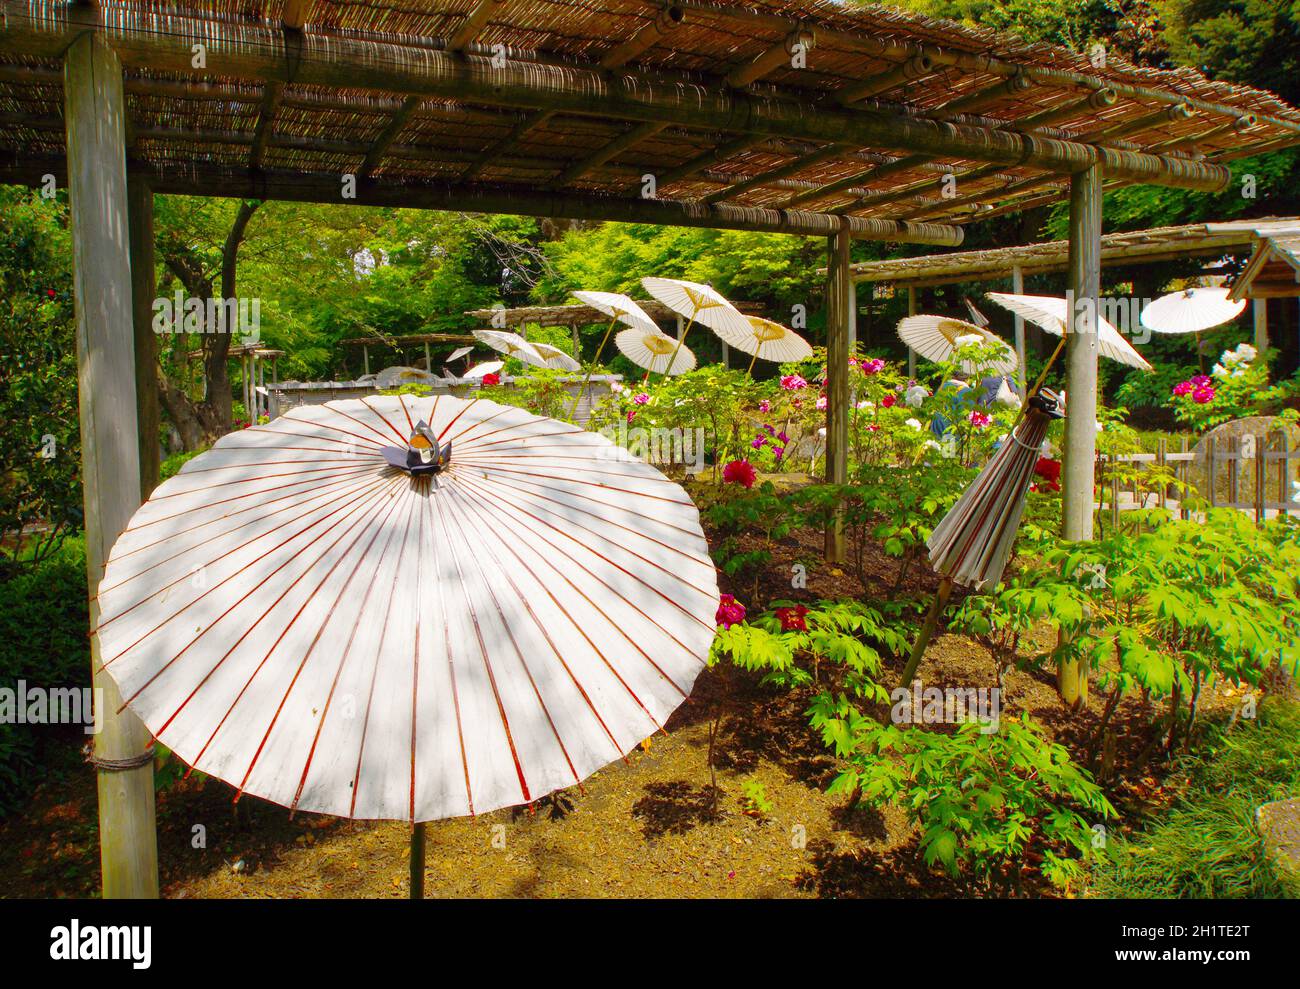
{"type": "Point", "coordinates": [408, 608]}
{"type": "Point", "coordinates": [512, 345]}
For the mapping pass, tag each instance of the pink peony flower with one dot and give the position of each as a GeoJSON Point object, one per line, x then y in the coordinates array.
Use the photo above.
{"type": "Point", "coordinates": [979, 420]}
{"type": "Point", "coordinates": [872, 366]}
{"type": "Point", "coordinates": [778, 452]}
{"type": "Point", "coordinates": [739, 472]}
{"type": "Point", "coordinates": [757, 442]}
{"type": "Point", "coordinates": [730, 611]}
{"type": "Point", "coordinates": [1183, 388]}
{"type": "Point", "coordinates": [793, 619]}
{"type": "Point", "coordinates": [1203, 395]}
{"type": "Point", "coordinates": [765, 406]}
{"type": "Point", "coordinates": [490, 379]}
{"type": "Point", "coordinates": [821, 402]}
{"type": "Point", "coordinates": [872, 427]}
{"type": "Point", "coordinates": [631, 415]}
{"type": "Point", "coordinates": [1201, 381]}
{"type": "Point", "coordinates": [793, 382]}
{"type": "Point", "coordinates": [640, 398]}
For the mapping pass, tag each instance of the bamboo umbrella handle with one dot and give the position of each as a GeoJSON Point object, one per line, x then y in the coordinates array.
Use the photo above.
{"type": "Point", "coordinates": [592, 367]}
{"type": "Point", "coordinates": [680, 340]}
{"type": "Point", "coordinates": [927, 630]}
{"type": "Point", "coordinates": [417, 861]}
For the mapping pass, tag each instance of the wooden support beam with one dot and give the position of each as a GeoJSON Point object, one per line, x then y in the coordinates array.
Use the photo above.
{"type": "Point", "coordinates": [389, 134]}
{"type": "Point", "coordinates": [94, 107]}
{"type": "Point", "coordinates": [837, 380]}
{"type": "Point", "coordinates": [715, 156]}
{"type": "Point", "coordinates": [1018, 288]}
{"type": "Point", "coordinates": [777, 55]}
{"type": "Point", "coordinates": [1189, 142]}
{"type": "Point", "coordinates": [474, 22]}
{"type": "Point", "coordinates": [1165, 115]}
{"type": "Point", "coordinates": [296, 14]}
{"type": "Point", "coordinates": [780, 172]}
{"type": "Point", "coordinates": [1084, 286]}
{"type": "Point", "coordinates": [888, 196]}
{"type": "Point", "coordinates": [143, 292]}
{"type": "Point", "coordinates": [623, 142]}
{"type": "Point", "coordinates": [913, 69]}
{"type": "Point", "coordinates": [252, 52]}
{"type": "Point", "coordinates": [1098, 99]}
{"type": "Point", "coordinates": [904, 164]}
{"type": "Point", "coordinates": [947, 205]}
{"type": "Point", "coordinates": [654, 31]}
{"type": "Point", "coordinates": [1011, 86]}
{"type": "Point", "coordinates": [271, 97]}
{"type": "Point", "coordinates": [499, 147]}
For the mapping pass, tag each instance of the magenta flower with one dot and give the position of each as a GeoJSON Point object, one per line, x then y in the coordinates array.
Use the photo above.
{"type": "Point", "coordinates": [1203, 395]}
{"type": "Point", "coordinates": [1184, 388]}
{"type": "Point", "coordinates": [821, 402]}
{"type": "Point", "coordinates": [1201, 381]}
{"type": "Point", "coordinates": [730, 611]}
{"type": "Point", "coordinates": [757, 442]}
{"type": "Point", "coordinates": [872, 366]}
{"type": "Point", "coordinates": [631, 415]}
{"type": "Point", "coordinates": [793, 382]}
{"type": "Point", "coordinates": [979, 420]}
{"type": "Point", "coordinates": [778, 452]}
{"type": "Point", "coordinates": [740, 472]}
{"type": "Point", "coordinates": [640, 398]}
{"type": "Point", "coordinates": [783, 438]}
{"type": "Point", "coordinates": [765, 406]}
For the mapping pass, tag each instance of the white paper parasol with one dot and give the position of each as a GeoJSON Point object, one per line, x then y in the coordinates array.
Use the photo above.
{"type": "Point", "coordinates": [656, 352]}
{"type": "Point", "coordinates": [773, 342]}
{"type": "Point", "coordinates": [512, 345]}
{"type": "Point", "coordinates": [935, 338]}
{"type": "Point", "coordinates": [620, 309]}
{"type": "Point", "coordinates": [554, 357]}
{"type": "Point", "coordinates": [1191, 311]}
{"type": "Point", "coordinates": [487, 367]}
{"type": "Point", "coordinates": [702, 304]}
{"type": "Point", "coordinates": [297, 617]}
{"type": "Point", "coordinates": [1049, 312]}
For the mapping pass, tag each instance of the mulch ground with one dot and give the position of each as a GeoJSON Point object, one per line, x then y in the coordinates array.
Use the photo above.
{"type": "Point", "coordinates": [650, 826]}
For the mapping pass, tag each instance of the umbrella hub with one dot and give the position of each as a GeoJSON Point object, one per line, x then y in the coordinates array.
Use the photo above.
{"type": "Point", "coordinates": [423, 454]}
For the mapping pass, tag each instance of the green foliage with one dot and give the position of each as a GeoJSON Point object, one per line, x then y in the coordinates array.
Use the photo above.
{"type": "Point", "coordinates": [979, 798]}
{"type": "Point", "coordinates": [40, 444]}
{"type": "Point", "coordinates": [757, 803]}
{"type": "Point", "coordinates": [1207, 844]}
{"type": "Point", "coordinates": [542, 391]}
{"type": "Point", "coordinates": [171, 466]}
{"type": "Point", "coordinates": [43, 620]}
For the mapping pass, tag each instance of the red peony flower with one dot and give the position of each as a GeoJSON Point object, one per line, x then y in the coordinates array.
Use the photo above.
{"type": "Point", "coordinates": [889, 400]}
{"type": "Point", "coordinates": [793, 619]}
{"type": "Point", "coordinates": [490, 379]}
{"type": "Point", "coordinates": [730, 611]}
{"type": "Point", "coordinates": [740, 472]}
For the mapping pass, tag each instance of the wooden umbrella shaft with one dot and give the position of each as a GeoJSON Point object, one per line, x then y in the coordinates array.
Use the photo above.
{"type": "Point", "coordinates": [927, 630]}
{"type": "Point", "coordinates": [680, 340]}
{"type": "Point", "coordinates": [591, 369]}
{"type": "Point", "coordinates": [417, 861]}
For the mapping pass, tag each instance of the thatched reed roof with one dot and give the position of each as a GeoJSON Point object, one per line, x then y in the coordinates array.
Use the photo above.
{"type": "Point", "coordinates": [775, 114]}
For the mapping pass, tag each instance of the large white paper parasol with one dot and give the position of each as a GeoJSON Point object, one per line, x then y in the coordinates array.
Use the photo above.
{"type": "Point", "coordinates": [1049, 313]}
{"type": "Point", "coordinates": [554, 357]}
{"type": "Point", "coordinates": [512, 345]}
{"type": "Point", "coordinates": [297, 617]}
{"type": "Point", "coordinates": [487, 367]}
{"type": "Point", "coordinates": [773, 342]}
{"type": "Point", "coordinates": [702, 304]}
{"type": "Point", "coordinates": [935, 338]}
{"type": "Point", "coordinates": [1191, 311]}
{"type": "Point", "coordinates": [656, 352]}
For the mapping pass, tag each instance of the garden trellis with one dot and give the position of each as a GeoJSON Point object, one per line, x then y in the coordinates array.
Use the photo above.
{"type": "Point", "coordinates": [694, 113]}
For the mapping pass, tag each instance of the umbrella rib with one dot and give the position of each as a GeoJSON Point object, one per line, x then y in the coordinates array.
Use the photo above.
{"type": "Point", "coordinates": [307, 654]}
{"type": "Point", "coordinates": [322, 424]}
{"type": "Point", "coordinates": [338, 671]}
{"type": "Point", "coordinates": [238, 642]}
{"type": "Point", "coordinates": [605, 584]}
{"type": "Point", "coordinates": [620, 567]}
{"type": "Point", "coordinates": [360, 422]}
{"type": "Point", "coordinates": [590, 484]}
{"type": "Point", "coordinates": [487, 662]}
{"type": "Point", "coordinates": [594, 532]}
{"type": "Point", "coordinates": [396, 432]}
{"type": "Point", "coordinates": [572, 621]}
{"type": "Point", "coordinates": [105, 664]}
{"type": "Point", "coordinates": [191, 547]}
{"type": "Point", "coordinates": [278, 431]}
{"type": "Point", "coordinates": [463, 409]}
{"type": "Point", "coordinates": [374, 673]}
{"type": "Point", "coordinates": [353, 473]}
{"type": "Point", "coordinates": [312, 493]}
{"type": "Point", "coordinates": [514, 486]}
{"type": "Point", "coordinates": [241, 480]}
{"type": "Point", "coordinates": [269, 463]}
{"type": "Point", "coordinates": [505, 622]}
{"type": "Point", "coordinates": [475, 444]}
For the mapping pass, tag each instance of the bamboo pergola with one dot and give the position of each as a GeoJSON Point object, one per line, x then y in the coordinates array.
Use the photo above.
{"type": "Point", "coordinates": [802, 117]}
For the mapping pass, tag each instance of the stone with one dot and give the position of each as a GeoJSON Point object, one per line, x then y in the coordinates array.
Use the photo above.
{"type": "Point", "coordinates": [1227, 437]}
{"type": "Point", "coordinates": [1279, 825]}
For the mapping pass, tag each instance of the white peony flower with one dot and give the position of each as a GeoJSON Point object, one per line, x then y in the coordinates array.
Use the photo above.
{"type": "Point", "coordinates": [968, 340]}
{"type": "Point", "coordinates": [916, 396]}
{"type": "Point", "coordinates": [864, 404]}
{"type": "Point", "coordinates": [1245, 352]}
{"type": "Point", "coordinates": [914, 423]}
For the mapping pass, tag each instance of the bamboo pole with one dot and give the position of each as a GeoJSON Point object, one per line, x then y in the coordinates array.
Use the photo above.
{"type": "Point", "coordinates": [837, 382]}
{"type": "Point", "coordinates": [417, 861]}
{"type": "Point", "coordinates": [161, 42]}
{"type": "Point", "coordinates": [1022, 376]}
{"type": "Point", "coordinates": [95, 112]}
{"type": "Point", "coordinates": [591, 368]}
{"type": "Point", "coordinates": [148, 414]}
{"type": "Point", "coordinates": [911, 354]}
{"type": "Point", "coordinates": [1081, 390]}
{"type": "Point", "coordinates": [927, 631]}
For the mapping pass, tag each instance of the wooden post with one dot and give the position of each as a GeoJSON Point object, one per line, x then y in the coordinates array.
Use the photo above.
{"type": "Point", "coordinates": [1162, 460]}
{"type": "Point", "coordinates": [428, 358]}
{"type": "Point", "coordinates": [1260, 309]}
{"type": "Point", "coordinates": [1211, 462]}
{"type": "Point", "coordinates": [365, 357]}
{"type": "Point", "coordinates": [1078, 472]}
{"type": "Point", "coordinates": [1261, 479]}
{"type": "Point", "coordinates": [837, 380]}
{"type": "Point", "coordinates": [911, 311]}
{"type": "Point", "coordinates": [417, 861]}
{"type": "Point", "coordinates": [110, 438]}
{"type": "Point", "coordinates": [143, 290]}
{"type": "Point", "coordinates": [853, 316]}
{"type": "Point", "coordinates": [1018, 287]}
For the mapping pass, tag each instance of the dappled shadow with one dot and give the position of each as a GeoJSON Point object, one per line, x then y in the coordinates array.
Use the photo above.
{"type": "Point", "coordinates": [675, 807]}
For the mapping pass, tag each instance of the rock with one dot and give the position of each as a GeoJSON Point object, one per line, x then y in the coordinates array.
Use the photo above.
{"type": "Point", "coordinates": [1228, 437]}
{"type": "Point", "coordinates": [1279, 825]}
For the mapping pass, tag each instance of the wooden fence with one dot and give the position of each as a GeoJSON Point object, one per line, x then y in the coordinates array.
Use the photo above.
{"type": "Point", "coordinates": [1249, 473]}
